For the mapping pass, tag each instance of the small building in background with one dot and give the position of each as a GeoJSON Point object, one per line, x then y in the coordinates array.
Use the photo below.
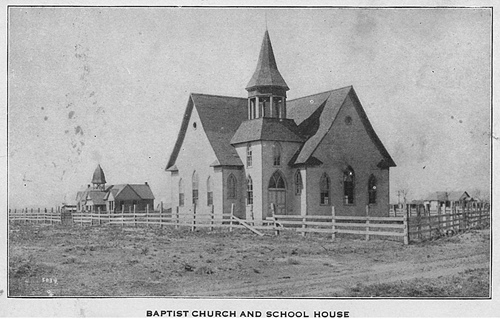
{"type": "Point", "coordinates": [437, 199]}
{"type": "Point", "coordinates": [126, 196]}
{"type": "Point", "coordinates": [113, 198]}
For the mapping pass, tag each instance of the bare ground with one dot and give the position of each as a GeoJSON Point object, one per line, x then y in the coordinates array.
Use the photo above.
{"type": "Point", "coordinates": [110, 261]}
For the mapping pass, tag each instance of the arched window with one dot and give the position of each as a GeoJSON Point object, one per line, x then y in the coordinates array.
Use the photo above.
{"type": "Point", "coordinates": [231, 186]}
{"type": "Point", "coordinates": [195, 188]}
{"type": "Point", "coordinates": [210, 194]}
{"type": "Point", "coordinates": [249, 190]}
{"type": "Point", "coordinates": [349, 186]}
{"type": "Point", "coordinates": [277, 181]}
{"type": "Point", "coordinates": [372, 190]}
{"type": "Point", "coordinates": [249, 155]}
{"type": "Point", "coordinates": [276, 154]}
{"type": "Point", "coordinates": [324, 188]}
{"type": "Point", "coordinates": [181, 192]}
{"type": "Point", "coordinates": [298, 183]}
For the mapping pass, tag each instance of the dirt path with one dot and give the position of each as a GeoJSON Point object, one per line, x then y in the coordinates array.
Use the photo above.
{"type": "Point", "coordinates": [149, 262]}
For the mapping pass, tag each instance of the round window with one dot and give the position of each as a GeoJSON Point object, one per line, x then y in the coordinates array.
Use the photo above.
{"type": "Point", "coordinates": [348, 120]}
{"type": "Point", "coordinates": [194, 125]}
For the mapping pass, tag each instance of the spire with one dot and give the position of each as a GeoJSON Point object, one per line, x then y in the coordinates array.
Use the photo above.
{"type": "Point", "coordinates": [98, 177]}
{"type": "Point", "coordinates": [266, 73]}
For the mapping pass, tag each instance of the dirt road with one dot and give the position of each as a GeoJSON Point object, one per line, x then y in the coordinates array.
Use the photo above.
{"type": "Point", "coordinates": [106, 261]}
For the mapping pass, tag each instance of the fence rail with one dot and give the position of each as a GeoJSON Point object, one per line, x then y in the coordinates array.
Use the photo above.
{"type": "Point", "coordinates": [412, 225]}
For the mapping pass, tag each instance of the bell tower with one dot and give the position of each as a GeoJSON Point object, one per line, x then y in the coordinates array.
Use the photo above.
{"type": "Point", "coordinates": [267, 88]}
{"type": "Point", "coordinates": [98, 179]}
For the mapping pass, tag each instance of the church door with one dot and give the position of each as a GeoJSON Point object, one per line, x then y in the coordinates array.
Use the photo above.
{"type": "Point", "coordinates": [277, 194]}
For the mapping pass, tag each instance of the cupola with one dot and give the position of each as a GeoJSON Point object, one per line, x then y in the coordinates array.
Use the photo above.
{"type": "Point", "coordinates": [267, 88]}
{"type": "Point", "coordinates": [98, 179]}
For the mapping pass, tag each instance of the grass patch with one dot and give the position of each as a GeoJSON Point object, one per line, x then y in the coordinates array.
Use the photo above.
{"type": "Point", "coordinates": [470, 283]}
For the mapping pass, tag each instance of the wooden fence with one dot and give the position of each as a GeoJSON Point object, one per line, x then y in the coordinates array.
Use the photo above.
{"type": "Point", "coordinates": [410, 227]}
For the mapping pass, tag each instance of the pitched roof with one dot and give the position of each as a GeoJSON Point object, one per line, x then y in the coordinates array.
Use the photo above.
{"type": "Point", "coordinates": [315, 114]}
{"type": "Point", "coordinates": [270, 129]}
{"type": "Point", "coordinates": [457, 196]}
{"type": "Point", "coordinates": [98, 177]}
{"type": "Point", "coordinates": [143, 190]}
{"type": "Point", "coordinates": [97, 196]}
{"type": "Point", "coordinates": [266, 73]}
{"type": "Point", "coordinates": [439, 196]}
{"type": "Point", "coordinates": [220, 117]}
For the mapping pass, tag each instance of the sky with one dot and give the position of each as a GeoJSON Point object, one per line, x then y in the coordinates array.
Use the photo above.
{"type": "Point", "coordinates": [109, 86]}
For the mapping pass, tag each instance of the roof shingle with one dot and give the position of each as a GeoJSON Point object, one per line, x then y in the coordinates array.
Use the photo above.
{"type": "Point", "coordinates": [268, 129]}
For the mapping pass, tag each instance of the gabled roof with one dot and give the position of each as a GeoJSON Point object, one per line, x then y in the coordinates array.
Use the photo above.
{"type": "Point", "coordinates": [143, 191]}
{"type": "Point", "coordinates": [266, 73]}
{"type": "Point", "coordinates": [315, 114]}
{"type": "Point", "coordinates": [220, 117]}
{"type": "Point", "coordinates": [268, 129]}
{"type": "Point", "coordinates": [98, 177]}
{"type": "Point", "coordinates": [457, 196]}
{"type": "Point", "coordinates": [96, 196]}
{"type": "Point", "coordinates": [438, 196]}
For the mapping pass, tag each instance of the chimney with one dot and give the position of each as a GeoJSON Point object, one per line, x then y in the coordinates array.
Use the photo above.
{"type": "Point", "coordinates": [88, 185]}
{"type": "Point", "coordinates": [146, 183]}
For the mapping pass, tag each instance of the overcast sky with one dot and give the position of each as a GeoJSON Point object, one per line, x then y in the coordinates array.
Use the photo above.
{"type": "Point", "coordinates": [110, 85]}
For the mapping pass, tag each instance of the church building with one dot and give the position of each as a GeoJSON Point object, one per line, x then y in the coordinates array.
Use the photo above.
{"type": "Point", "coordinates": [303, 155]}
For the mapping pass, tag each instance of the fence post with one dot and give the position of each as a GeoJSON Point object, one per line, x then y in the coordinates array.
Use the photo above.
{"type": "Point", "coordinates": [135, 217]}
{"type": "Point", "coordinates": [25, 211]}
{"type": "Point", "coordinates": [480, 214]}
{"type": "Point", "coordinates": [466, 216]}
{"type": "Point", "coordinates": [193, 227]}
{"type": "Point", "coordinates": [147, 216]}
{"type": "Point", "coordinates": [231, 218]}
{"type": "Point", "coordinates": [176, 217]}
{"type": "Point", "coordinates": [429, 221]}
{"type": "Point", "coordinates": [38, 216]}
{"type": "Point", "coordinates": [367, 235]}
{"type": "Point", "coordinates": [276, 231]}
{"type": "Point", "coordinates": [333, 223]}
{"type": "Point", "coordinates": [99, 216]}
{"type": "Point", "coordinates": [303, 225]}
{"type": "Point", "coordinates": [212, 218]}
{"type": "Point", "coordinates": [161, 215]}
{"type": "Point", "coordinates": [123, 215]}
{"type": "Point", "coordinates": [406, 229]}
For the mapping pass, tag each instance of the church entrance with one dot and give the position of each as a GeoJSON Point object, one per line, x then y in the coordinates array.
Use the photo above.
{"type": "Point", "coordinates": [277, 194]}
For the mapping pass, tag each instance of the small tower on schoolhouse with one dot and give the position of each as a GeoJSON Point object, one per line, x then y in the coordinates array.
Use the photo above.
{"type": "Point", "coordinates": [98, 179]}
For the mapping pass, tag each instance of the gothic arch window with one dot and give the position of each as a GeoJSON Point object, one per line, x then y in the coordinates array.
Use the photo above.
{"type": "Point", "coordinates": [324, 189]}
{"type": "Point", "coordinates": [276, 154]}
{"type": "Point", "coordinates": [372, 190]}
{"type": "Point", "coordinates": [195, 187]}
{"type": "Point", "coordinates": [249, 190]}
{"type": "Point", "coordinates": [277, 181]}
{"type": "Point", "coordinates": [298, 183]}
{"type": "Point", "coordinates": [181, 192]}
{"type": "Point", "coordinates": [249, 155]}
{"type": "Point", "coordinates": [231, 186]}
{"type": "Point", "coordinates": [210, 194]}
{"type": "Point", "coordinates": [349, 186]}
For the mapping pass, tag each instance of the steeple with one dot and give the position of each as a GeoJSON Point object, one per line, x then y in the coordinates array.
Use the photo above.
{"type": "Point", "coordinates": [98, 179]}
{"type": "Point", "coordinates": [266, 73]}
{"type": "Point", "coordinates": [267, 88]}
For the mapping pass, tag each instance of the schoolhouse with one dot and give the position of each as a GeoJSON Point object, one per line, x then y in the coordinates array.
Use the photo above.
{"type": "Point", "coordinates": [302, 155]}
{"type": "Point", "coordinates": [113, 198]}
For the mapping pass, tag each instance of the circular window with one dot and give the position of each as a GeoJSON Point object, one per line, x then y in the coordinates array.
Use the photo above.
{"type": "Point", "coordinates": [348, 120]}
{"type": "Point", "coordinates": [194, 125]}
